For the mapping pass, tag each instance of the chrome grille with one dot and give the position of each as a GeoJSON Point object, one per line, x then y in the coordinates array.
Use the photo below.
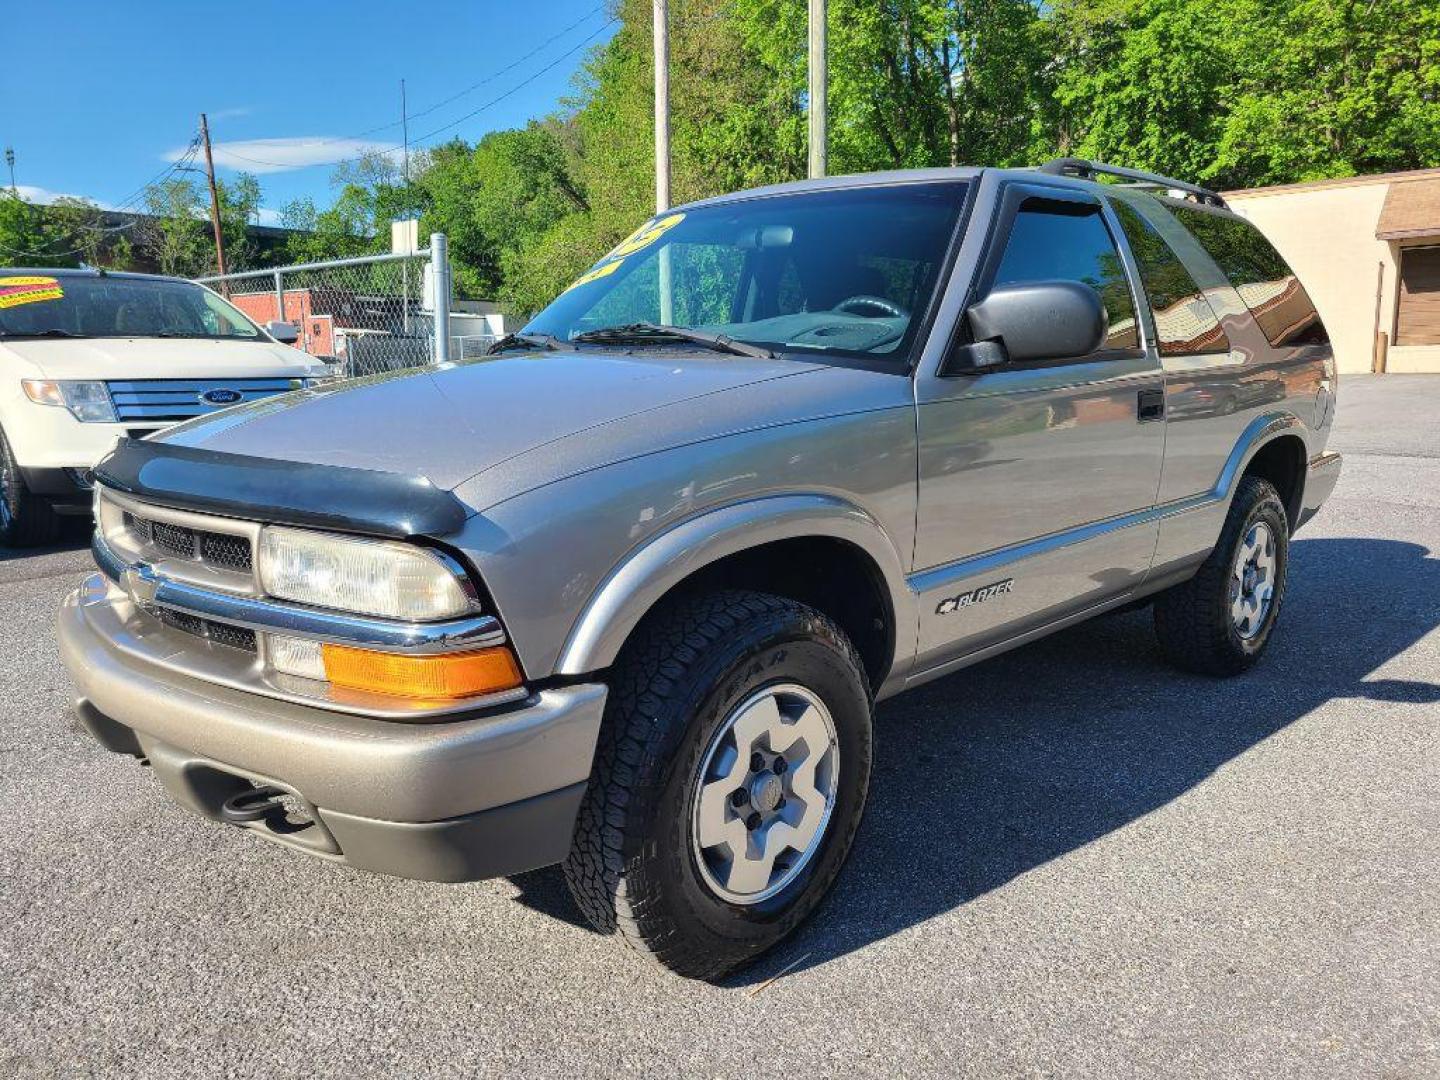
{"type": "Point", "coordinates": [172, 539]}
{"type": "Point", "coordinates": [219, 551]}
{"type": "Point", "coordinates": [181, 399]}
{"type": "Point", "coordinates": [230, 552]}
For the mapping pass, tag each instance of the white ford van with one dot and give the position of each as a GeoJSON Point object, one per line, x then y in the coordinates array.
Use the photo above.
{"type": "Point", "coordinates": [87, 357]}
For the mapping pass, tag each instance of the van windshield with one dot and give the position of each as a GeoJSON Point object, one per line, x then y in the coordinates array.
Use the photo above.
{"type": "Point", "coordinates": [77, 305]}
{"type": "Point", "coordinates": [845, 272]}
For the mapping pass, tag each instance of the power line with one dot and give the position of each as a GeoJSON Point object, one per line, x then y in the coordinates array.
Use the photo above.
{"type": "Point", "coordinates": [331, 140]}
{"type": "Point", "coordinates": [184, 159]}
{"type": "Point", "coordinates": [444, 127]}
{"type": "Point", "coordinates": [107, 230]}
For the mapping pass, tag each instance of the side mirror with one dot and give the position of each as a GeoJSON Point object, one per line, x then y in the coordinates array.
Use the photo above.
{"type": "Point", "coordinates": [1033, 320]}
{"type": "Point", "coordinates": [287, 333]}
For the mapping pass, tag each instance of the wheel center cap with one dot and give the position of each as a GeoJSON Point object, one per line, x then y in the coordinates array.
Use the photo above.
{"type": "Point", "coordinates": [766, 792]}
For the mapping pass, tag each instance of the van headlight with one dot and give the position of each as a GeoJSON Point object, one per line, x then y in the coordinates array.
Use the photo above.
{"type": "Point", "coordinates": [380, 578]}
{"type": "Point", "coordinates": [88, 402]}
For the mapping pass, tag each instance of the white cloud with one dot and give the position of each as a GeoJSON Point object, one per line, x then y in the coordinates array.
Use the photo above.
{"type": "Point", "coordinates": [281, 155]}
{"type": "Point", "coordinates": [231, 114]}
{"type": "Point", "coordinates": [39, 196]}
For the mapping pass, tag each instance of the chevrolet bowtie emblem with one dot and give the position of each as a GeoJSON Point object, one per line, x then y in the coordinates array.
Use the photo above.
{"type": "Point", "coordinates": [140, 586]}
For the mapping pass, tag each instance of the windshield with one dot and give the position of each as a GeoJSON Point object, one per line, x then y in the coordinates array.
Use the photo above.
{"type": "Point", "coordinates": [846, 272]}
{"type": "Point", "coordinates": [66, 305]}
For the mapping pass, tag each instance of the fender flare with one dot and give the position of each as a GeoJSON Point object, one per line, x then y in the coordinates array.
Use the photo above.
{"type": "Point", "coordinates": [648, 572]}
{"type": "Point", "coordinates": [1260, 432]}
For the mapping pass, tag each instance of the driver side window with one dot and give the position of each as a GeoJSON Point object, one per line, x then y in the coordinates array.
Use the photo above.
{"type": "Point", "coordinates": [1051, 240]}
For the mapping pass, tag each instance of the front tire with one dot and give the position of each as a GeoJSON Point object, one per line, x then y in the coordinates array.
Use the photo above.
{"type": "Point", "coordinates": [1220, 621]}
{"type": "Point", "coordinates": [729, 781]}
{"type": "Point", "coordinates": [26, 520]}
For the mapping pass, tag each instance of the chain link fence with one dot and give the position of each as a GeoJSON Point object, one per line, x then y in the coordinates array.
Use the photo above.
{"type": "Point", "coordinates": [364, 315]}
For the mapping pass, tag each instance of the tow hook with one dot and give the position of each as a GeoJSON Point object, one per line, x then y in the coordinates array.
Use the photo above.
{"type": "Point", "coordinates": [254, 804]}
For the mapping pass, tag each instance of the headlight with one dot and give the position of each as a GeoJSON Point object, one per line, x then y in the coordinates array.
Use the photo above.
{"type": "Point", "coordinates": [88, 402]}
{"type": "Point", "coordinates": [370, 577]}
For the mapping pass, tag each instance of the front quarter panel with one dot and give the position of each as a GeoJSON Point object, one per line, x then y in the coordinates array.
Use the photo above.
{"type": "Point", "coordinates": [545, 554]}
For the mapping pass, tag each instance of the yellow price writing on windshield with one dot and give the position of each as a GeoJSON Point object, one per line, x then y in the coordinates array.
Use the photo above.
{"type": "Point", "coordinates": [642, 237]}
{"type": "Point", "coordinates": [646, 235]}
{"type": "Point", "coordinates": [15, 291]}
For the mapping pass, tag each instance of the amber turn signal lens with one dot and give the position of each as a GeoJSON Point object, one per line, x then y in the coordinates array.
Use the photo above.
{"type": "Point", "coordinates": [432, 678]}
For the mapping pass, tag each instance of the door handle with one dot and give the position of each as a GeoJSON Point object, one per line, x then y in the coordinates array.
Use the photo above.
{"type": "Point", "coordinates": [1150, 405]}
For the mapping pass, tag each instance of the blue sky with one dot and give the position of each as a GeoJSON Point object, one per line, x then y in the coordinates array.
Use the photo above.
{"type": "Point", "coordinates": [99, 96]}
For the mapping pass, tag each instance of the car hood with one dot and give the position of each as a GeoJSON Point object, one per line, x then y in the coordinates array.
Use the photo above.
{"type": "Point", "coordinates": [451, 423]}
{"type": "Point", "coordinates": [157, 358]}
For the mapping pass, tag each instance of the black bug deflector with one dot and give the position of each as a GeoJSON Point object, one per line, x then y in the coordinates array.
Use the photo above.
{"type": "Point", "coordinates": [289, 492]}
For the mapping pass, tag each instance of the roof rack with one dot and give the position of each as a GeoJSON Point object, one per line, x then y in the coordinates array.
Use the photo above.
{"type": "Point", "coordinates": [1089, 170]}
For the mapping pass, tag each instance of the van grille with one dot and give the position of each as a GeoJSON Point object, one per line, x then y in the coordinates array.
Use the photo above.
{"type": "Point", "coordinates": [181, 399]}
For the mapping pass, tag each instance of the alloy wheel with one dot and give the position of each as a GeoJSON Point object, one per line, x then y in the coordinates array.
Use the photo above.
{"type": "Point", "coordinates": [1252, 581]}
{"type": "Point", "coordinates": [764, 793]}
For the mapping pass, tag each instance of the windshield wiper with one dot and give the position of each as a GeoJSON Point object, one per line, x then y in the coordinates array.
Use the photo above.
{"type": "Point", "coordinates": [645, 333]}
{"type": "Point", "coordinates": [523, 340]}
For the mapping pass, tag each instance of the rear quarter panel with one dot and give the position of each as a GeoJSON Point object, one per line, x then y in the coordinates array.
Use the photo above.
{"type": "Point", "coordinates": [1221, 407]}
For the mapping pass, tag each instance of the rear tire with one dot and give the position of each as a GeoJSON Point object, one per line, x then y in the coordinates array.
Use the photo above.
{"type": "Point", "coordinates": [705, 704]}
{"type": "Point", "coordinates": [26, 520]}
{"type": "Point", "coordinates": [1220, 621]}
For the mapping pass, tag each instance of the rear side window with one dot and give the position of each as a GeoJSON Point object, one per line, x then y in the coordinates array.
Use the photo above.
{"type": "Point", "coordinates": [1053, 240]}
{"type": "Point", "coordinates": [1185, 323]}
{"type": "Point", "coordinates": [1268, 286]}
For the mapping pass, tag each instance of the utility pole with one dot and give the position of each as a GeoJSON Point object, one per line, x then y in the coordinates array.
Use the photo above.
{"type": "Point", "coordinates": [10, 161]}
{"type": "Point", "coordinates": [818, 77]}
{"type": "Point", "coordinates": [662, 149]}
{"type": "Point", "coordinates": [662, 105]}
{"type": "Point", "coordinates": [405, 138]}
{"type": "Point", "coordinates": [404, 267]}
{"type": "Point", "coordinates": [214, 196]}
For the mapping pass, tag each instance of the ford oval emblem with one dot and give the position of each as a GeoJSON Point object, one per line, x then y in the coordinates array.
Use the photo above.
{"type": "Point", "coordinates": [221, 396]}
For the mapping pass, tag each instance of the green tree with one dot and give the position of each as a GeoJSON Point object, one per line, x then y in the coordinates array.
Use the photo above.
{"type": "Point", "coordinates": [1233, 92]}
{"type": "Point", "coordinates": [1250, 92]}
{"type": "Point", "coordinates": [28, 237]}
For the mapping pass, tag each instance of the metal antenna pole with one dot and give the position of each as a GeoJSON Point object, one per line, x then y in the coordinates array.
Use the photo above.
{"type": "Point", "coordinates": [818, 78]}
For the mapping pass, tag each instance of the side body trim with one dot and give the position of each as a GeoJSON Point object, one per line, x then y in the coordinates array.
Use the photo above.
{"type": "Point", "coordinates": [1261, 431]}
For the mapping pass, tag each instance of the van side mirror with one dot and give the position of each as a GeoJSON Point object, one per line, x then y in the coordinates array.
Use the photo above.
{"type": "Point", "coordinates": [1032, 320]}
{"type": "Point", "coordinates": [287, 333]}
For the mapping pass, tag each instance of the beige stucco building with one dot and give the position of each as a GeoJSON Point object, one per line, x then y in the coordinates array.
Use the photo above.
{"type": "Point", "coordinates": [1367, 249]}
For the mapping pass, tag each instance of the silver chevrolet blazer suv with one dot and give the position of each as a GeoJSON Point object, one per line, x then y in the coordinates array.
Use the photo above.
{"type": "Point", "coordinates": [623, 594]}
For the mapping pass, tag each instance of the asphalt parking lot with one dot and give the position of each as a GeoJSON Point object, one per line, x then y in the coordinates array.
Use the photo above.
{"type": "Point", "coordinates": [1076, 862]}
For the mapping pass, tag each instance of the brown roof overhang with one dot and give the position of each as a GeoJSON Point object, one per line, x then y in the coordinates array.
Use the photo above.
{"type": "Point", "coordinates": [1412, 208]}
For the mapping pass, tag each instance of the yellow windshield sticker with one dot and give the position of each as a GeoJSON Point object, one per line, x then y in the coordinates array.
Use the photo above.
{"type": "Point", "coordinates": [603, 270]}
{"type": "Point", "coordinates": [15, 291]}
{"type": "Point", "coordinates": [642, 237]}
{"type": "Point", "coordinates": [646, 235]}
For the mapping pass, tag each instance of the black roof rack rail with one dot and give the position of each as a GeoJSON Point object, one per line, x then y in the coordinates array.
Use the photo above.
{"type": "Point", "coordinates": [1088, 170]}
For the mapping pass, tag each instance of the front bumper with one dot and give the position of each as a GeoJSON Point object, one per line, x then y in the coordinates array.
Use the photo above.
{"type": "Point", "coordinates": [477, 795]}
{"type": "Point", "coordinates": [67, 489]}
{"type": "Point", "coordinates": [49, 437]}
